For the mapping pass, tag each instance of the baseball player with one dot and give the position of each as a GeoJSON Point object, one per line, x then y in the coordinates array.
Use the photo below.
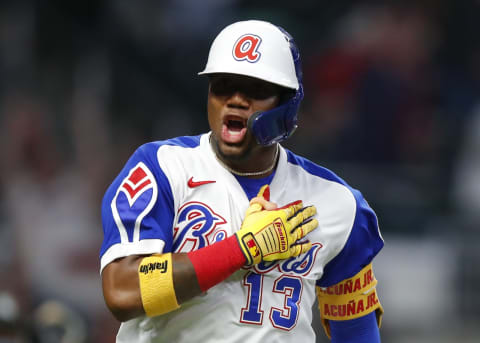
{"type": "Point", "coordinates": [228, 236]}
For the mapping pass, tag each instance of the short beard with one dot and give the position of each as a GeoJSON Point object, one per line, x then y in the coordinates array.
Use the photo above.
{"type": "Point", "coordinates": [236, 158]}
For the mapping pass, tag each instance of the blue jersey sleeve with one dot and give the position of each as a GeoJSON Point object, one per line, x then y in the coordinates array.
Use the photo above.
{"type": "Point", "coordinates": [363, 244]}
{"type": "Point", "coordinates": [359, 330]}
{"type": "Point", "coordinates": [137, 208]}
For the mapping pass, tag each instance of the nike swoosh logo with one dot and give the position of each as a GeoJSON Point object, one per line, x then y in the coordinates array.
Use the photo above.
{"type": "Point", "coordinates": [193, 184]}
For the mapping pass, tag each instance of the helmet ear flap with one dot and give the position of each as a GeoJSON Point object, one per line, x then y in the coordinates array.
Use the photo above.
{"type": "Point", "coordinates": [251, 120]}
{"type": "Point", "coordinates": [280, 123]}
{"type": "Point", "coordinates": [277, 124]}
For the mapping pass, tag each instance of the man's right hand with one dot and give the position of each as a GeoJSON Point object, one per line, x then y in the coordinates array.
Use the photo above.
{"type": "Point", "coordinates": [273, 234]}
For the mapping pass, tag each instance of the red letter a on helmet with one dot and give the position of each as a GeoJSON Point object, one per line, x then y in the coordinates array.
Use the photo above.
{"type": "Point", "coordinates": [246, 48]}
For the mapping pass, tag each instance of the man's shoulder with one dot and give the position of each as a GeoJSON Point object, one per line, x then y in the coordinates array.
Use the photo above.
{"type": "Point", "coordinates": [313, 168]}
{"type": "Point", "coordinates": [322, 175]}
{"type": "Point", "coordinates": [182, 142]}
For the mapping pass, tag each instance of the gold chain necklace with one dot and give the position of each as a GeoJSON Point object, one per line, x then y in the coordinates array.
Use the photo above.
{"type": "Point", "coordinates": [268, 170]}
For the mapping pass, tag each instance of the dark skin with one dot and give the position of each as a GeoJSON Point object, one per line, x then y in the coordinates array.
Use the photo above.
{"type": "Point", "coordinates": [236, 98]}
{"type": "Point", "coordinates": [232, 99]}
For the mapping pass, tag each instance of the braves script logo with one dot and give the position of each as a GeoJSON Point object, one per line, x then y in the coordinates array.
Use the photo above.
{"type": "Point", "coordinates": [246, 48]}
{"type": "Point", "coordinates": [299, 265]}
{"type": "Point", "coordinates": [196, 227]}
{"type": "Point", "coordinates": [134, 199]}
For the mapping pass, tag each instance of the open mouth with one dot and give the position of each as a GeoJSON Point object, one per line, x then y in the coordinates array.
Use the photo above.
{"type": "Point", "coordinates": [234, 129]}
{"type": "Point", "coordinates": [235, 124]}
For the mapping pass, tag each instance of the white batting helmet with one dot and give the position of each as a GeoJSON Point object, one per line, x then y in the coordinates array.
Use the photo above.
{"type": "Point", "coordinates": [253, 48]}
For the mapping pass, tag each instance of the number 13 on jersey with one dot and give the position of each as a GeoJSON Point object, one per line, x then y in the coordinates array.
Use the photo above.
{"type": "Point", "coordinates": [284, 316]}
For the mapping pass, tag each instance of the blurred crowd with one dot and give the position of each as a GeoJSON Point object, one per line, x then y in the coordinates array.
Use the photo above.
{"type": "Point", "coordinates": [392, 104]}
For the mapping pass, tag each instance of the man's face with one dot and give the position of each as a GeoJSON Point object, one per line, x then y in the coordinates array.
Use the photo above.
{"type": "Point", "coordinates": [232, 99]}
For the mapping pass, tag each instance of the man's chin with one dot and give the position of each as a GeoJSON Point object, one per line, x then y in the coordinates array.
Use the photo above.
{"type": "Point", "coordinates": [233, 151]}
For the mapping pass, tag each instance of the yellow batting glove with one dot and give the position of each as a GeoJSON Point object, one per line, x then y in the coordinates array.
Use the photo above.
{"type": "Point", "coordinates": [269, 235]}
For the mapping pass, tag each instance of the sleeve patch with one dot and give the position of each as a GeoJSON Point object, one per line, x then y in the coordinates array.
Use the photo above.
{"type": "Point", "coordinates": [134, 199]}
{"type": "Point", "coordinates": [352, 298]}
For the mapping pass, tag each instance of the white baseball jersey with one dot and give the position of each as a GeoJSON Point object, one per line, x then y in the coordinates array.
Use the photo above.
{"type": "Point", "coordinates": [174, 196]}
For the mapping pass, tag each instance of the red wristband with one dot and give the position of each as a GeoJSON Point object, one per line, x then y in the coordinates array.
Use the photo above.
{"type": "Point", "coordinates": [216, 262]}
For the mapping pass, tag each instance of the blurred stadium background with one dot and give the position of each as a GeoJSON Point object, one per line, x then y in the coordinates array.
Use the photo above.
{"type": "Point", "coordinates": [392, 105]}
